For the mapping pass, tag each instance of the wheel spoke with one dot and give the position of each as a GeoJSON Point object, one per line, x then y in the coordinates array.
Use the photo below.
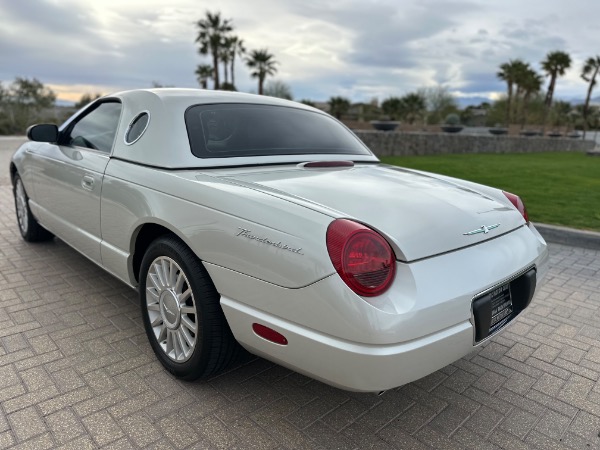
{"type": "Point", "coordinates": [184, 296]}
{"type": "Point", "coordinates": [152, 291]}
{"type": "Point", "coordinates": [188, 310]}
{"type": "Point", "coordinates": [187, 323]}
{"type": "Point", "coordinates": [157, 321]}
{"type": "Point", "coordinates": [162, 336]}
{"type": "Point", "coordinates": [166, 272]}
{"type": "Point", "coordinates": [179, 283]}
{"type": "Point", "coordinates": [160, 275]}
{"type": "Point", "coordinates": [155, 281]}
{"type": "Point", "coordinates": [188, 337]}
{"type": "Point", "coordinates": [169, 341]}
{"type": "Point", "coordinates": [181, 343]}
{"type": "Point", "coordinates": [153, 307]}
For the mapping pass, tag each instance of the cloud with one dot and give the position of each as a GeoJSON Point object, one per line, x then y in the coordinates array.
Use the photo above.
{"type": "Point", "coordinates": [357, 48]}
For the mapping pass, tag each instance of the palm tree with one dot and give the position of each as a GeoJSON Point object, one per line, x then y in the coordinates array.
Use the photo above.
{"type": "Point", "coordinates": [555, 65]}
{"type": "Point", "coordinates": [531, 83]}
{"type": "Point", "coordinates": [338, 106]}
{"type": "Point", "coordinates": [263, 64]}
{"type": "Point", "coordinates": [225, 56]}
{"type": "Point", "coordinates": [392, 107]}
{"type": "Point", "coordinates": [203, 73]}
{"type": "Point", "coordinates": [589, 73]}
{"type": "Point", "coordinates": [211, 31]}
{"type": "Point", "coordinates": [413, 107]}
{"type": "Point", "coordinates": [510, 72]}
{"type": "Point", "coordinates": [236, 48]}
{"type": "Point", "coordinates": [522, 75]}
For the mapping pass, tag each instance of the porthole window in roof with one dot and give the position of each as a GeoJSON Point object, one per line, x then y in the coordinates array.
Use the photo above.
{"type": "Point", "coordinates": [136, 127]}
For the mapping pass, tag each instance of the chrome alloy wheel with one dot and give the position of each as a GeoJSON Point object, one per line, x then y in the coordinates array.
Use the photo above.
{"type": "Point", "coordinates": [171, 309]}
{"type": "Point", "coordinates": [21, 206]}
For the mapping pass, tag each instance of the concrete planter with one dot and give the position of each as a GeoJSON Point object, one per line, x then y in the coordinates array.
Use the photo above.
{"type": "Point", "coordinates": [384, 125]}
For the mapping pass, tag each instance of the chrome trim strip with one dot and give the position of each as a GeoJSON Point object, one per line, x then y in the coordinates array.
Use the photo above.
{"type": "Point", "coordinates": [137, 116]}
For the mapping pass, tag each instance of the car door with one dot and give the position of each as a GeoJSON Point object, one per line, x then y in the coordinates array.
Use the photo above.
{"type": "Point", "coordinates": [68, 177]}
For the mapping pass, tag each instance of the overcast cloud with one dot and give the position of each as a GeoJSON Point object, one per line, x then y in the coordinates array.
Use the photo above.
{"type": "Point", "coordinates": [359, 49]}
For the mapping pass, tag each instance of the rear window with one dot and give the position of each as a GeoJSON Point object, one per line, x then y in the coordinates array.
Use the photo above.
{"type": "Point", "coordinates": [230, 130]}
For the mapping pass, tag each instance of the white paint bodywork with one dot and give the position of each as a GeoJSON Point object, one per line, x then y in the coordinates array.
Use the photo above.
{"type": "Point", "coordinates": [420, 324]}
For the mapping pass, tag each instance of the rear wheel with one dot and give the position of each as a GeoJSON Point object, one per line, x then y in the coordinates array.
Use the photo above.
{"type": "Point", "coordinates": [182, 315]}
{"type": "Point", "coordinates": [30, 229]}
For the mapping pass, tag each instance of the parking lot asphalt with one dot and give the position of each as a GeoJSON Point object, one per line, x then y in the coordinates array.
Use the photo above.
{"type": "Point", "coordinates": [76, 371]}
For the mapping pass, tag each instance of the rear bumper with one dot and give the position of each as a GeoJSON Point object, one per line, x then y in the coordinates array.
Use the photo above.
{"type": "Point", "coordinates": [423, 323]}
{"type": "Point", "coordinates": [349, 365]}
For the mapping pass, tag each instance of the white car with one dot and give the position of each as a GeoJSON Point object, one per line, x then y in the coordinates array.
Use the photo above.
{"type": "Point", "coordinates": [253, 221]}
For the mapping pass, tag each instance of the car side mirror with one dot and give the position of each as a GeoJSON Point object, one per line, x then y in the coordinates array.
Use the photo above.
{"type": "Point", "coordinates": [44, 132]}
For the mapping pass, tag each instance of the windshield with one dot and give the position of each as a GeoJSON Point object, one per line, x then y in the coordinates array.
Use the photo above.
{"type": "Point", "coordinates": [230, 130]}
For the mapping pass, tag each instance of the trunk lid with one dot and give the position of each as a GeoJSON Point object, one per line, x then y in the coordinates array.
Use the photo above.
{"type": "Point", "coordinates": [420, 214]}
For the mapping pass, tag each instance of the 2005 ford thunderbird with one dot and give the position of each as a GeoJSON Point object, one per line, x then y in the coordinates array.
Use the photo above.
{"type": "Point", "coordinates": [251, 220]}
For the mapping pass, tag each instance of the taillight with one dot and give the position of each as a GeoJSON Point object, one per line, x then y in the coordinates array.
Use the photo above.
{"type": "Point", "coordinates": [518, 203]}
{"type": "Point", "coordinates": [363, 258]}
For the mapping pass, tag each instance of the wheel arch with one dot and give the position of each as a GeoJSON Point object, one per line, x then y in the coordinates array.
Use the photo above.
{"type": "Point", "coordinates": [13, 172]}
{"type": "Point", "coordinates": [142, 237]}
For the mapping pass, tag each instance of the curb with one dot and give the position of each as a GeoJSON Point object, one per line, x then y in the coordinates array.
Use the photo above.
{"type": "Point", "coordinates": [569, 236]}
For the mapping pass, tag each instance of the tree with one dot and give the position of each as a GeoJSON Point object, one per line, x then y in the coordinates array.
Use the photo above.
{"type": "Point", "coordinates": [392, 107]}
{"type": "Point", "coordinates": [338, 106]}
{"type": "Point", "coordinates": [225, 56]}
{"type": "Point", "coordinates": [510, 72]}
{"type": "Point", "coordinates": [531, 83]}
{"type": "Point", "coordinates": [23, 103]}
{"type": "Point", "coordinates": [555, 65]}
{"type": "Point", "coordinates": [279, 89]}
{"type": "Point", "coordinates": [589, 73]}
{"type": "Point", "coordinates": [236, 48]}
{"type": "Point", "coordinates": [413, 107]}
{"type": "Point", "coordinates": [560, 113]}
{"type": "Point", "coordinates": [211, 32]}
{"type": "Point", "coordinates": [203, 73]}
{"type": "Point", "coordinates": [262, 64]}
{"type": "Point", "coordinates": [439, 101]}
{"type": "Point", "coordinates": [86, 99]}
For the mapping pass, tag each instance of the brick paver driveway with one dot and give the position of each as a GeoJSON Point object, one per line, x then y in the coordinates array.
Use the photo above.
{"type": "Point", "coordinates": [76, 371]}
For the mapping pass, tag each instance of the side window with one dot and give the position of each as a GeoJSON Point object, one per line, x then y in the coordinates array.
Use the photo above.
{"type": "Point", "coordinates": [97, 129]}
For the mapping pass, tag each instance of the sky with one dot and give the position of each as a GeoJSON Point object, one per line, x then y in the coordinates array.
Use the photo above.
{"type": "Point", "coordinates": [360, 49]}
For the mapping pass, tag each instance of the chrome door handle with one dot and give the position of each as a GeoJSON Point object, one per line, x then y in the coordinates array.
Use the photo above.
{"type": "Point", "coordinates": [87, 182]}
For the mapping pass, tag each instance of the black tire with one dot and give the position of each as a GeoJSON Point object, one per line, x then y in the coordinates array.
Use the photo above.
{"type": "Point", "coordinates": [29, 227]}
{"type": "Point", "coordinates": [215, 347]}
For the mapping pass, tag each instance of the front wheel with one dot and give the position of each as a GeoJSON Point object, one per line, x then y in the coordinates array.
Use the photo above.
{"type": "Point", "coordinates": [182, 315]}
{"type": "Point", "coordinates": [30, 229]}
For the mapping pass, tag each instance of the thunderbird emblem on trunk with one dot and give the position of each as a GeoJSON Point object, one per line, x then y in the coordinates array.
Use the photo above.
{"type": "Point", "coordinates": [485, 229]}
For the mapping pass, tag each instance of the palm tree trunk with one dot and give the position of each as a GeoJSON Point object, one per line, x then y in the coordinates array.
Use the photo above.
{"type": "Point", "coordinates": [550, 92]}
{"type": "Point", "coordinates": [508, 101]}
{"type": "Point", "coordinates": [216, 69]}
{"type": "Point", "coordinates": [587, 101]}
{"type": "Point", "coordinates": [232, 71]}
{"type": "Point", "coordinates": [524, 111]}
{"type": "Point", "coordinates": [261, 82]}
{"type": "Point", "coordinates": [548, 102]}
{"type": "Point", "coordinates": [225, 73]}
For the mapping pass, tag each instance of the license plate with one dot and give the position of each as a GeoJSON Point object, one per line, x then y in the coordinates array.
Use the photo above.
{"type": "Point", "coordinates": [492, 311]}
{"type": "Point", "coordinates": [501, 305]}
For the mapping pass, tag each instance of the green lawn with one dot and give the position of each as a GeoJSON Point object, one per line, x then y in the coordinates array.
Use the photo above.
{"type": "Point", "coordinates": [557, 188]}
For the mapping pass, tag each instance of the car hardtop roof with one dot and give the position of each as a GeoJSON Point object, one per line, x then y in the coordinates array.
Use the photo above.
{"type": "Point", "coordinates": [191, 97]}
